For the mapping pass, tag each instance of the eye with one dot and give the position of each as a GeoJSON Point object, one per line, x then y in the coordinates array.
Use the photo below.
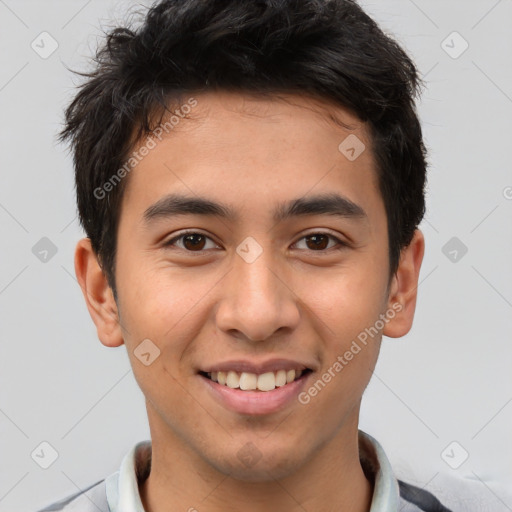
{"type": "Point", "coordinates": [320, 241]}
{"type": "Point", "coordinates": [191, 241]}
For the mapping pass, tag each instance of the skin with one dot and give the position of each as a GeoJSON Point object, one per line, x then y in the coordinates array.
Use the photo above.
{"type": "Point", "coordinates": [294, 301]}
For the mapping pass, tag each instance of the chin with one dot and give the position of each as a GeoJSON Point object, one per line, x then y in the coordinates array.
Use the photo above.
{"type": "Point", "coordinates": [259, 474]}
{"type": "Point", "coordinates": [250, 465]}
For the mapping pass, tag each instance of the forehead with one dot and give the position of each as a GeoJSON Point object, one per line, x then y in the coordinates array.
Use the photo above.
{"type": "Point", "coordinates": [256, 109]}
{"type": "Point", "coordinates": [243, 147]}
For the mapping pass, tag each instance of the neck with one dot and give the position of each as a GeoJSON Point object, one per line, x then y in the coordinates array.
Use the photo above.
{"type": "Point", "coordinates": [332, 479]}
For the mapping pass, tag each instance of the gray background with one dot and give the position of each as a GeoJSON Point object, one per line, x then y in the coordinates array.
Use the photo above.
{"type": "Point", "coordinates": [448, 380]}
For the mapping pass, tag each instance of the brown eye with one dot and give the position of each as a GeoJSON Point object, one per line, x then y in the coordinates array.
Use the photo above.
{"type": "Point", "coordinates": [191, 242]}
{"type": "Point", "coordinates": [315, 242]}
{"type": "Point", "coordinates": [319, 242]}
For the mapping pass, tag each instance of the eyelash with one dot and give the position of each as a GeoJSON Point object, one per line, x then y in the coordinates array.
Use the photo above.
{"type": "Point", "coordinates": [340, 244]}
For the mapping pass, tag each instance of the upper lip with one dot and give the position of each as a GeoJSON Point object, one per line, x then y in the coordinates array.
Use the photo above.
{"type": "Point", "coordinates": [244, 365]}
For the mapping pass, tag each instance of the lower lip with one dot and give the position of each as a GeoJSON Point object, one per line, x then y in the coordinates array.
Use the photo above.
{"type": "Point", "coordinates": [256, 402]}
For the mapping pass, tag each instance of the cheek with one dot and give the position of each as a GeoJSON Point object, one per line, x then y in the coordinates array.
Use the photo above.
{"type": "Point", "coordinates": [165, 315]}
{"type": "Point", "coordinates": [155, 296]}
{"type": "Point", "coordinates": [345, 303]}
{"type": "Point", "coordinates": [168, 308]}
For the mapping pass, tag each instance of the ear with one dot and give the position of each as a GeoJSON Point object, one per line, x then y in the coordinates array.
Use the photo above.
{"type": "Point", "coordinates": [97, 294]}
{"type": "Point", "coordinates": [404, 287]}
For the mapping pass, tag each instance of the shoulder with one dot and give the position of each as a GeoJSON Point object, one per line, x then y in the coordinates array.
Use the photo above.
{"type": "Point", "coordinates": [416, 499]}
{"type": "Point", "coordinates": [90, 499]}
{"type": "Point", "coordinates": [451, 493]}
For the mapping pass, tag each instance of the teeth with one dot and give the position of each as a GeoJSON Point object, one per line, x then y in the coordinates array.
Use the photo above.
{"type": "Point", "coordinates": [280, 378]}
{"type": "Point", "coordinates": [248, 381]}
{"type": "Point", "coordinates": [251, 381]}
{"type": "Point", "coordinates": [267, 381]}
{"type": "Point", "coordinates": [232, 380]}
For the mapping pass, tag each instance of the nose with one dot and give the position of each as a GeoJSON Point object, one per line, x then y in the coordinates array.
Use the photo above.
{"type": "Point", "coordinates": [257, 300]}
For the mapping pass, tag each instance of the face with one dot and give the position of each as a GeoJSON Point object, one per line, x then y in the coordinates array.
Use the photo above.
{"type": "Point", "coordinates": [282, 269]}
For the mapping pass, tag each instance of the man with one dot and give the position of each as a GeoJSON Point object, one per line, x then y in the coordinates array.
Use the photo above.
{"type": "Point", "coordinates": [250, 177]}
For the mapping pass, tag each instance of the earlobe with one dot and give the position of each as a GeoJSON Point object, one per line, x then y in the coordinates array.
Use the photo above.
{"type": "Point", "coordinates": [404, 288]}
{"type": "Point", "coordinates": [97, 294]}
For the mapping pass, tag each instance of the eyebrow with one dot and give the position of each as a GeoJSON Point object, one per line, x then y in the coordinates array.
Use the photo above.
{"type": "Point", "coordinates": [173, 205]}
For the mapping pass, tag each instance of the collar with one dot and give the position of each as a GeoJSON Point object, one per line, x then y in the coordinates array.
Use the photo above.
{"type": "Point", "coordinates": [122, 487]}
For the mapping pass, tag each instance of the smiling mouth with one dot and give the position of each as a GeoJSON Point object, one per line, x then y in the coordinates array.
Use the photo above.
{"type": "Point", "coordinates": [247, 381]}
